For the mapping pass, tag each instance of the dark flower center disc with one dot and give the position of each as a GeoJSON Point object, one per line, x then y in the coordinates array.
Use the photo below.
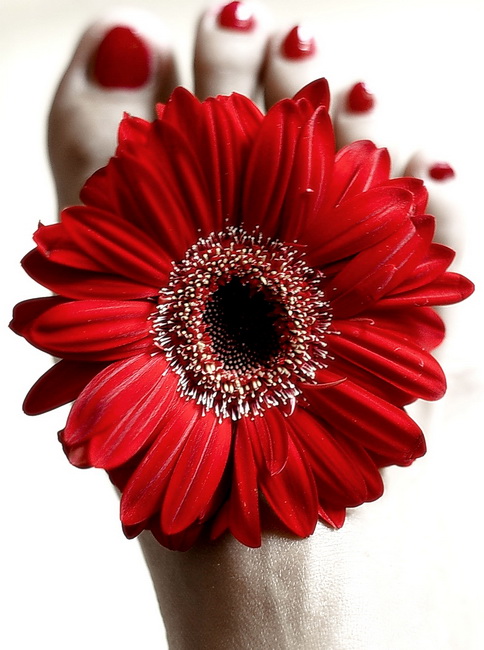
{"type": "Point", "coordinates": [242, 322]}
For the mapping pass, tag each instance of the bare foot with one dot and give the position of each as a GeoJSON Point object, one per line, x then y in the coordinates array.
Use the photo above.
{"type": "Point", "coordinates": [384, 580]}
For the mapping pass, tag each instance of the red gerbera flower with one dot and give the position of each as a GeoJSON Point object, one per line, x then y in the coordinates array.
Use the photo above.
{"type": "Point", "coordinates": [241, 317]}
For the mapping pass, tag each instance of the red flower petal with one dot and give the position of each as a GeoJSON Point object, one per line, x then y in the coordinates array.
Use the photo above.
{"type": "Point", "coordinates": [291, 494]}
{"type": "Point", "coordinates": [367, 468]}
{"type": "Point", "coordinates": [336, 465]}
{"type": "Point", "coordinates": [422, 325]}
{"type": "Point", "coordinates": [270, 167]}
{"type": "Point", "coordinates": [182, 108]}
{"type": "Point", "coordinates": [358, 223]}
{"type": "Point", "coordinates": [26, 312]}
{"type": "Point", "coordinates": [117, 246]}
{"type": "Point", "coordinates": [182, 173]}
{"type": "Point", "coordinates": [357, 167]}
{"type": "Point", "coordinates": [370, 381]}
{"type": "Point", "coordinates": [132, 130]}
{"type": "Point", "coordinates": [370, 421]}
{"type": "Point", "coordinates": [389, 356]}
{"type": "Point", "coordinates": [224, 148]}
{"type": "Point", "coordinates": [307, 185]}
{"type": "Point", "coordinates": [55, 244]}
{"type": "Point", "coordinates": [435, 263]}
{"type": "Point", "coordinates": [81, 285]}
{"type": "Point", "coordinates": [222, 131]}
{"type": "Point", "coordinates": [158, 206]}
{"type": "Point", "coordinates": [108, 406]}
{"type": "Point", "coordinates": [139, 421]}
{"type": "Point", "coordinates": [272, 436]}
{"type": "Point", "coordinates": [248, 116]}
{"type": "Point", "coordinates": [416, 188]}
{"type": "Point", "coordinates": [164, 191]}
{"type": "Point", "coordinates": [220, 524]}
{"type": "Point", "coordinates": [374, 272]}
{"type": "Point", "coordinates": [335, 517]}
{"type": "Point", "coordinates": [60, 385]}
{"type": "Point", "coordinates": [449, 288]}
{"type": "Point", "coordinates": [243, 509]}
{"type": "Point", "coordinates": [144, 492]}
{"type": "Point", "coordinates": [180, 541]}
{"type": "Point", "coordinates": [316, 93]}
{"type": "Point", "coordinates": [98, 190]}
{"type": "Point", "coordinates": [197, 473]}
{"type": "Point", "coordinates": [92, 329]}
{"type": "Point", "coordinates": [223, 152]}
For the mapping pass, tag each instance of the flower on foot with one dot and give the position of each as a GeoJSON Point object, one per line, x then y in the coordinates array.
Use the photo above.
{"type": "Point", "coordinates": [241, 315]}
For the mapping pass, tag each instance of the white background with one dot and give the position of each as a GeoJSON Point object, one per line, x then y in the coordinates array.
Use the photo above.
{"type": "Point", "coordinates": [70, 579]}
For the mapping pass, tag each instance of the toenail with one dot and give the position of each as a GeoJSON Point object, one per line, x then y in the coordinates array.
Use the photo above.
{"type": "Point", "coordinates": [237, 15]}
{"type": "Point", "coordinates": [441, 171]}
{"type": "Point", "coordinates": [359, 99]}
{"type": "Point", "coordinates": [298, 44]}
{"type": "Point", "coordinates": [122, 60]}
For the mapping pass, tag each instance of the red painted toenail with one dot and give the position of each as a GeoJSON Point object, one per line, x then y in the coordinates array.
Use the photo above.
{"type": "Point", "coordinates": [236, 15]}
{"type": "Point", "coordinates": [441, 171]}
{"type": "Point", "coordinates": [359, 99]}
{"type": "Point", "coordinates": [298, 44]}
{"type": "Point", "coordinates": [122, 60]}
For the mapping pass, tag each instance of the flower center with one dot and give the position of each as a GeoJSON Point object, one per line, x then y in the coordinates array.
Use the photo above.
{"type": "Point", "coordinates": [242, 326]}
{"type": "Point", "coordinates": [242, 322]}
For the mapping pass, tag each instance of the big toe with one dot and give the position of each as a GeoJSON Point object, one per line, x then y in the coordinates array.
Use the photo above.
{"type": "Point", "coordinates": [123, 63]}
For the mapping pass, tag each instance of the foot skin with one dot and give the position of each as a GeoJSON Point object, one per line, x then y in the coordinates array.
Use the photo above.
{"type": "Point", "coordinates": [86, 112]}
{"type": "Point", "coordinates": [356, 588]}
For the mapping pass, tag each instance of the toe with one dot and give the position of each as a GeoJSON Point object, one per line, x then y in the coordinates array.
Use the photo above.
{"type": "Point", "coordinates": [356, 115]}
{"type": "Point", "coordinates": [362, 112]}
{"type": "Point", "coordinates": [230, 49]}
{"type": "Point", "coordinates": [123, 63]}
{"type": "Point", "coordinates": [294, 59]}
